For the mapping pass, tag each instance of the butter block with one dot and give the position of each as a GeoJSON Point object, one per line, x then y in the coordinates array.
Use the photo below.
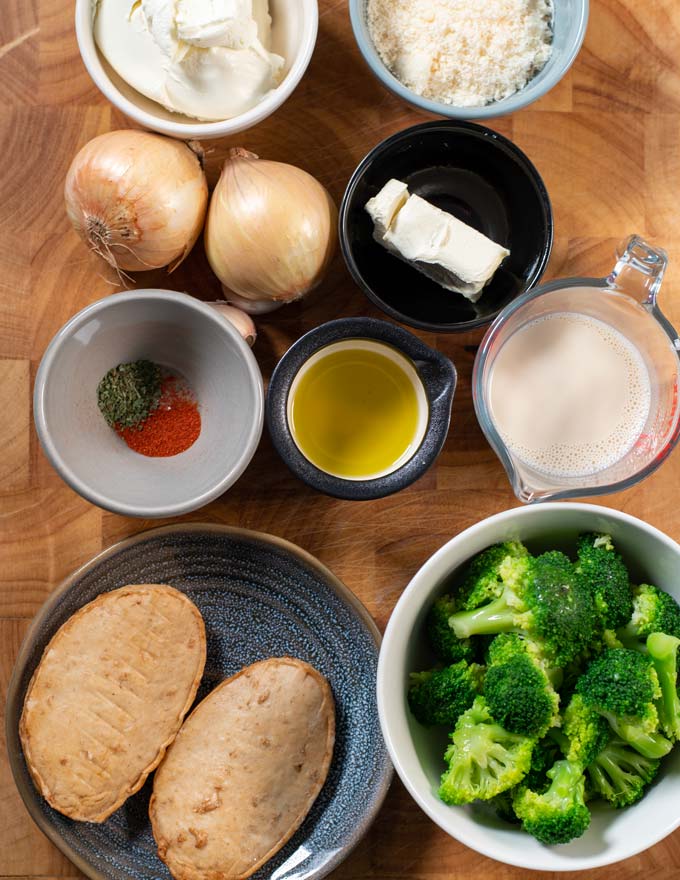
{"type": "Point", "coordinates": [383, 206]}
{"type": "Point", "coordinates": [449, 252]}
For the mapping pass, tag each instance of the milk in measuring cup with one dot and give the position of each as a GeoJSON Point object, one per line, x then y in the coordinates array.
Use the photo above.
{"type": "Point", "coordinates": [569, 394]}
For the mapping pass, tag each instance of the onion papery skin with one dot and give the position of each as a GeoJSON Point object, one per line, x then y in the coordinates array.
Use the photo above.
{"type": "Point", "coordinates": [137, 199]}
{"type": "Point", "coordinates": [271, 230]}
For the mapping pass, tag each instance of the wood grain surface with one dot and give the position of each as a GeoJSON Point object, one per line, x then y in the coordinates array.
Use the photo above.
{"type": "Point", "coordinates": [606, 141]}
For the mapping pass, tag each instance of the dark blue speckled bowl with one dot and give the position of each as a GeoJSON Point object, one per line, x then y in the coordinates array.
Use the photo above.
{"type": "Point", "coordinates": [260, 597]}
{"type": "Point", "coordinates": [436, 372]}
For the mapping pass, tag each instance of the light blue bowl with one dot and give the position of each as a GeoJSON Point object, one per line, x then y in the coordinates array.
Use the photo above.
{"type": "Point", "coordinates": [569, 29]}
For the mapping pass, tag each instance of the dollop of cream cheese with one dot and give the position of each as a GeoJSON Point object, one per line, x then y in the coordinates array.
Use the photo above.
{"type": "Point", "coordinates": [208, 59]}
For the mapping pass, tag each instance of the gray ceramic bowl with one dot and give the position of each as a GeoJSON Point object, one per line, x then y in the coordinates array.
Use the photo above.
{"type": "Point", "coordinates": [569, 28]}
{"type": "Point", "coordinates": [178, 332]}
{"type": "Point", "coordinates": [435, 372]}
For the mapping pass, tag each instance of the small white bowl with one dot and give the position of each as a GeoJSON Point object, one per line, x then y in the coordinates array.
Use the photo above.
{"type": "Point", "coordinates": [417, 753]}
{"type": "Point", "coordinates": [294, 28]}
{"type": "Point", "coordinates": [176, 331]}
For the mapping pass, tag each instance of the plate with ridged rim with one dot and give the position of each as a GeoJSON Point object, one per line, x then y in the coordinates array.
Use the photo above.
{"type": "Point", "coordinates": [260, 596]}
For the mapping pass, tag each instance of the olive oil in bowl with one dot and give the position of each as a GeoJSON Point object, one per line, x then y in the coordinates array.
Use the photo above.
{"type": "Point", "coordinates": [357, 409]}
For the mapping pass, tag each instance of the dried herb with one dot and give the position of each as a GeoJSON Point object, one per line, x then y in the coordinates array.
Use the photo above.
{"type": "Point", "coordinates": [129, 393]}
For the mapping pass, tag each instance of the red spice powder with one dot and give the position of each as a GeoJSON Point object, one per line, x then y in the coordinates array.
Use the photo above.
{"type": "Point", "coordinates": [171, 428]}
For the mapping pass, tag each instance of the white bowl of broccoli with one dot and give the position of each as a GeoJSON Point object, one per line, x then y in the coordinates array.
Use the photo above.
{"type": "Point", "coordinates": [546, 737]}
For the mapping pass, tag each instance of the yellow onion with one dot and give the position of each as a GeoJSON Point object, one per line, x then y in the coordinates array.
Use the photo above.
{"type": "Point", "coordinates": [270, 233]}
{"type": "Point", "coordinates": [138, 199]}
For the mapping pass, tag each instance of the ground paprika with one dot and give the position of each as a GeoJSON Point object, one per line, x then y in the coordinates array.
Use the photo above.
{"type": "Point", "coordinates": [172, 427]}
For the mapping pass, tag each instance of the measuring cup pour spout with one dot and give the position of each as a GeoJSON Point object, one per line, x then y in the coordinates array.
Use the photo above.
{"type": "Point", "coordinates": [648, 428]}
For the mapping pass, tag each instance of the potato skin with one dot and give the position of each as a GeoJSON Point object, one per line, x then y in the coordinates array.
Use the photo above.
{"type": "Point", "coordinates": [244, 771]}
{"type": "Point", "coordinates": [109, 695]}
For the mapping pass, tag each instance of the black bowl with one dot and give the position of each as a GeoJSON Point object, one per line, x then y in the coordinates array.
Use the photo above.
{"type": "Point", "coordinates": [436, 372]}
{"type": "Point", "coordinates": [481, 178]}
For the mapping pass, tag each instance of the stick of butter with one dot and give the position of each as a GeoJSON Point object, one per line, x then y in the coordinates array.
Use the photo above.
{"type": "Point", "coordinates": [451, 253]}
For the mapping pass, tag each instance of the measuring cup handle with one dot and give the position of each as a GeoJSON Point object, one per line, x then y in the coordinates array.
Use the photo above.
{"type": "Point", "coordinates": [639, 270]}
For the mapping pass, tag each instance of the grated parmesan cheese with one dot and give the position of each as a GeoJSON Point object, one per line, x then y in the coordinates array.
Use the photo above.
{"type": "Point", "coordinates": [462, 52]}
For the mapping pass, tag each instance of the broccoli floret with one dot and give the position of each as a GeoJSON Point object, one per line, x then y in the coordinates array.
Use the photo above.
{"type": "Point", "coordinates": [518, 691]}
{"type": "Point", "coordinates": [653, 611]}
{"type": "Point", "coordinates": [440, 696]}
{"type": "Point", "coordinates": [620, 775]}
{"type": "Point", "coordinates": [622, 686]}
{"type": "Point", "coordinates": [543, 756]}
{"type": "Point", "coordinates": [605, 571]}
{"type": "Point", "coordinates": [558, 814]}
{"type": "Point", "coordinates": [573, 671]}
{"type": "Point", "coordinates": [663, 649]}
{"type": "Point", "coordinates": [444, 642]}
{"type": "Point", "coordinates": [608, 639]}
{"type": "Point", "coordinates": [502, 648]}
{"type": "Point", "coordinates": [544, 598]}
{"type": "Point", "coordinates": [585, 730]}
{"type": "Point", "coordinates": [481, 581]}
{"type": "Point", "coordinates": [484, 759]}
{"type": "Point", "coordinates": [506, 646]}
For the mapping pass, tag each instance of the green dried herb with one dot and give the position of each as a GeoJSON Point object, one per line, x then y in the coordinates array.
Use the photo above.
{"type": "Point", "coordinates": [128, 393]}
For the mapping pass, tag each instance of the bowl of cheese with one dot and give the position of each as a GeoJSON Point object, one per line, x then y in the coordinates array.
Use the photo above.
{"type": "Point", "coordinates": [192, 69]}
{"type": "Point", "coordinates": [445, 223]}
{"type": "Point", "coordinates": [469, 59]}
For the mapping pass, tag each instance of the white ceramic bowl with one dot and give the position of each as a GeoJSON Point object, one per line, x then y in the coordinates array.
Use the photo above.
{"type": "Point", "coordinates": [176, 331]}
{"type": "Point", "coordinates": [294, 29]}
{"type": "Point", "coordinates": [417, 753]}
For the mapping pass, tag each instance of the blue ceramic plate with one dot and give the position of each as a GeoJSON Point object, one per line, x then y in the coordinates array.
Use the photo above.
{"type": "Point", "coordinates": [260, 597]}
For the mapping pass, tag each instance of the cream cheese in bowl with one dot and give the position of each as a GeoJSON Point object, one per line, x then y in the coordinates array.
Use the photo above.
{"type": "Point", "coordinates": [208, 59]}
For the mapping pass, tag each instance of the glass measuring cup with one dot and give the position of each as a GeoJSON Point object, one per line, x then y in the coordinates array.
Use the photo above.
{"type": "Point", "coordinates": [627, 301]}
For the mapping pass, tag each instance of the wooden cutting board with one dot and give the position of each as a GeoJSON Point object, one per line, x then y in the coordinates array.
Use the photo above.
{"type": "Point", "coordinates": [606, 141]}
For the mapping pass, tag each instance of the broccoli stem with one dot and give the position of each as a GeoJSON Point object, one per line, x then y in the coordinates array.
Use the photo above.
{"type": "Point", "coordinates": [601, 783]}
{"type": "Point", "coordinates": [621, 774]}
{"type": "Point", "coordinates": [560, 738]}
{"type": "Point", "coordinates": [607, 769]}
{"type": "Point", "coordinates": [566, 777]}
{"type": "Point", "coordinates": [663, 649]}
{"type": "Point", "coordinates": [651, 745]}
{"type": "Point", "coordinates": [610, 781]}
{"type": "Point", "coordinates": [629, 638]}
{"type": "Point", "coordinates": [494, 617]}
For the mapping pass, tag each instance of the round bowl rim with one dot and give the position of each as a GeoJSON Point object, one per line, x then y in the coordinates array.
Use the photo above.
{"type": "Point", "coordinates": [517, 101]}
{"type": "Point", "coordinates": [456, 127]}
{"type": "Point", "coordinates": [424, 573]}
{"type": "Point", "coordinates": [197, 129]}
{"type": "Point", "coordinates": [55, 458]}
{"type": "Point", "coordinates": [281, 435]}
